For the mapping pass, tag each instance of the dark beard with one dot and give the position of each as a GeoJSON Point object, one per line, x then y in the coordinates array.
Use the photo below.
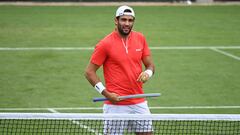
{"type": "Point", "coordinates": [122, 32]}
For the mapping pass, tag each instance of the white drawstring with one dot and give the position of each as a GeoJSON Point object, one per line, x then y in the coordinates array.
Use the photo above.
{"type": "Point", "coordinates": [125, 46]}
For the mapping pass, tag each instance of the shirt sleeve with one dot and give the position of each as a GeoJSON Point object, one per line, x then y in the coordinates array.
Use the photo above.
{"type": "Point", "coordinates": [99, 54]}
{"type": "Point", "coordinates": [146, 50]}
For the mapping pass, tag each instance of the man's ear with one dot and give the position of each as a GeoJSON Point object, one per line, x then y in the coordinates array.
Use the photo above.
{"type": "Point", "coordinates": [115, 21]}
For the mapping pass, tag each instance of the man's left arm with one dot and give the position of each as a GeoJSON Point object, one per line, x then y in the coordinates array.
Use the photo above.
{"type": "Point", "coordinates": [149, 69]}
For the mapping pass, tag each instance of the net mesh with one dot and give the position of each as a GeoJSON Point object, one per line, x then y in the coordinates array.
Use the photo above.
{"type": "Point", "coordinates": [127, 124]}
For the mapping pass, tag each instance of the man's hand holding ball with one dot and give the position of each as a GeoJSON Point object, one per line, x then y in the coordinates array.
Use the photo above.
{"type": "Point", "coordinates": [145, 76]}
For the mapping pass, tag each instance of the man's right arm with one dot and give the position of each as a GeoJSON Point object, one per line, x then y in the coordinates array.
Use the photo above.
{"type": "Point", "coordinates": [91, 75]}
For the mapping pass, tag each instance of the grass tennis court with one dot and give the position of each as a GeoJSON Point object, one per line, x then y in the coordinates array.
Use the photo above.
{"type": "Point", "coordinates": [186, 73]}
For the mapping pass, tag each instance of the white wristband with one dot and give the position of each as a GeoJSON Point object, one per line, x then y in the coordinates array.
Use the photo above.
{"type": "Point", "coordinates": [149, 72]}
{"type": "Point", "coordinates": [99, 87]}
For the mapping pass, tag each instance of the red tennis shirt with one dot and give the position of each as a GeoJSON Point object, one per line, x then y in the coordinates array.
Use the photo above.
{"type": "Point", "coordinates": [122, 64]}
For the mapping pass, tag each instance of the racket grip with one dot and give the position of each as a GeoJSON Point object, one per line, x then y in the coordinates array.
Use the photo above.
{"type": "Point", "coordinates": [99, 99]}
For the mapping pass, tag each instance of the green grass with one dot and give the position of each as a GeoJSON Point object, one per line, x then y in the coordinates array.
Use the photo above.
{"type": "Point", "coordinates": [48, 79]}
{"type": "Point", "coordinates": [84, 26]}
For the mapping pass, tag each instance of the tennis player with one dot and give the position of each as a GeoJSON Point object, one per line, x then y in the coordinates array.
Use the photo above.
{"type": "Point", "coordinates": [122, 54]}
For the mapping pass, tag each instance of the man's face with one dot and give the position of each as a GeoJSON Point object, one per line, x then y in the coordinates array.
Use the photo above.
{"type": "Point", "coordinates": [124, 24]}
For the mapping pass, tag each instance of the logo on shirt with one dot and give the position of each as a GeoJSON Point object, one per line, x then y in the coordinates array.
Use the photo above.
{"type": "Point", "coordinates": [138, 50]}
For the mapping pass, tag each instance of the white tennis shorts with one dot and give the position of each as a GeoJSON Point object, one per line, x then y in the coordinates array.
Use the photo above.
{"type": "Point", "coordinates": [113, 127]}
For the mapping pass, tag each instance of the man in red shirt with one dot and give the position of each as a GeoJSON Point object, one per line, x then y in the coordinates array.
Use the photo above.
{"type": "Point", "coordinates": [122, 54]}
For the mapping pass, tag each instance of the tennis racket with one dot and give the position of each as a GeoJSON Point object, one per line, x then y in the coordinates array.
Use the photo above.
{"type": "Point", "coordinates": [129, 96]}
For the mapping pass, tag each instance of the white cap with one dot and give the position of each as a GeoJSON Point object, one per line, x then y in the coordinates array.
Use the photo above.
{"type": "Point", "coordinates": [125, 10]}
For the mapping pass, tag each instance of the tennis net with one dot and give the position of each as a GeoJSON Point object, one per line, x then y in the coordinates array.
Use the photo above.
{"type": "Point", "coordinates": [115, 124]}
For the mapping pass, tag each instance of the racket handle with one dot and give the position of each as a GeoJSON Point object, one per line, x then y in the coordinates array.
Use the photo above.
{"type": "Point", "coordinates": [129, 96]}
{"type": "Point", "coordinates": [99, 99]}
